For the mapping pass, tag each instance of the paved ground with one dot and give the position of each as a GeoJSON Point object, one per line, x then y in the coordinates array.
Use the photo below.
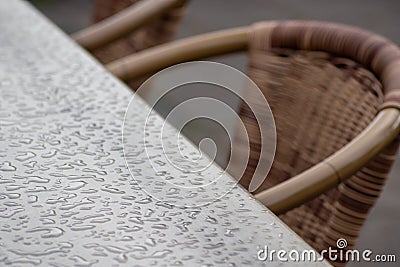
{"type": "Point", "coordinates": [381, 233]}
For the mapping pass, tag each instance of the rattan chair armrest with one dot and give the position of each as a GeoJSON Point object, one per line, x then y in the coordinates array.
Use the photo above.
{"type": "Point", "coordinates": [335, 169]}
{"type": "Point", "coordinates": [122, 23]}
{"type": "Point", "coordinates": [201, 46]}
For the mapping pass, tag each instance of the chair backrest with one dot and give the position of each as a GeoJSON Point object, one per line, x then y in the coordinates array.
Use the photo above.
{"type": "Point", "coordinates": [320, 102]}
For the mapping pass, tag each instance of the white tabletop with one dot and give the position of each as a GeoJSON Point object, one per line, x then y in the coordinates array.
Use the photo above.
{"type": "Point", "coordinates": [66, 196]}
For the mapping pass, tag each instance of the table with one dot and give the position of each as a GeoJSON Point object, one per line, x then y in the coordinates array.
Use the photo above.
{"type": "Point", "coordinates": [66, 196]}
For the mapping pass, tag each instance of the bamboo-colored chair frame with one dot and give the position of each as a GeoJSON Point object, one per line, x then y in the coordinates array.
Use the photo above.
{"type": "Point", "coordinates": [382, 56]}
{"type": "Point", "coordinates": [123, 23]}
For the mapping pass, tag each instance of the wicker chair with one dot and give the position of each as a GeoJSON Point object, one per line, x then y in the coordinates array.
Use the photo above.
{"type": "Point", "coordinates": [123, 27]}
{"type": "Point", "coordinates": [334, 91]}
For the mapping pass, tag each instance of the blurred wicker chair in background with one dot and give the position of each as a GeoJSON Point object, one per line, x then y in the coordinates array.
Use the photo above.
{"type": "Point", "coordinates": [123, 27]}
{"type": "Point", "coordinates": [334, 91]}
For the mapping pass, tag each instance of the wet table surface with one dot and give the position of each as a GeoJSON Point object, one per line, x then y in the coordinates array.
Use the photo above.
{"type": "Point", "coordinates": [66, 195]}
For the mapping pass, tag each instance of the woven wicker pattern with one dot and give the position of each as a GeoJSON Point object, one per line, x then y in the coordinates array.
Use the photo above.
{"type": "Point", "coordinates": [157, 32]}
{"type": "Point", "coordinates": [320, 102]}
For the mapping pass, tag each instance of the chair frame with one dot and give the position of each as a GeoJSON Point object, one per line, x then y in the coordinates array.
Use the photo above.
{"type": "Point", "coordinates": [332, 171]}
{"type": "Point", "coordinates": [122, 23]}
